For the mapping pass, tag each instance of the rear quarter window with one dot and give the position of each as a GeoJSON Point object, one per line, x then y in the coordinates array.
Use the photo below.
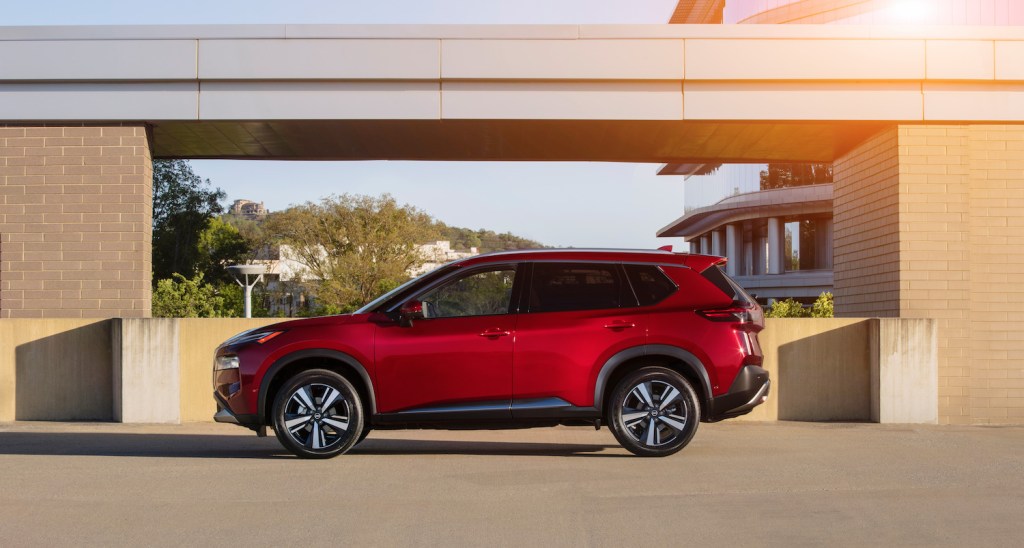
{"type": "Point", "coordinates": [650, 284]}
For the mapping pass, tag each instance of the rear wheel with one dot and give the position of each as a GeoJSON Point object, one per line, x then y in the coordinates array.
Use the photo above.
{"type": "Point", "coordinates": [653, 412]}
{"type": "Point", "coordinates": [317, 414]}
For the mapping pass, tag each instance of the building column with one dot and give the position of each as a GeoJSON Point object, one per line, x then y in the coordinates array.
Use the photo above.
{"type": "Point", "coordinates": [76, 208]}
{"type": "Point", "coordinates": [776, 246]}
{"type": "Point", "coordinates": [694, 246]}
{"type": "Point", "coordinates": [760, 243]}
{"type": "Point", "coordinates": [927, 225]}
{"type": "Point", "coordinates": [718, 242]}
{"type": "Point", "coordinates": [705, 244]}
{"type": "Point", "coordinates": [733, 246]}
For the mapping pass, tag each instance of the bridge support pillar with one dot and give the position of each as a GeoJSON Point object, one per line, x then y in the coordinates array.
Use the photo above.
{"type": "Point", "coordinates": [76, 208]}
{"type": "Point", "coordinates": [928, 224]}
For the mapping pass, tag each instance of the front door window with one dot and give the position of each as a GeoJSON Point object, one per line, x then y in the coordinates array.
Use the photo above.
{"type": "Point", "coordinates": [484, 293]}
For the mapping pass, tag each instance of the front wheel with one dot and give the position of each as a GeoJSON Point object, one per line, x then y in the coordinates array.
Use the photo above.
{"type": "Point", "coordinates": [318, 415]}
{"type": "Point", "coordinates": [653, 412]}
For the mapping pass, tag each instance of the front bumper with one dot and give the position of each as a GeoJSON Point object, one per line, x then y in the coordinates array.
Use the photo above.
{"type": "Point", "coordinates": [224, 414]}
{"type": "Point", "coordinates": [749, 390]}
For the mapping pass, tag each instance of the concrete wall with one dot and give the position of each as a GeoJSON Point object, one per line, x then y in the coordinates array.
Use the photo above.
{"type": "Point", "coordinates": [159, 370]}
{"type": "Point", "coordinates": [55, 369]}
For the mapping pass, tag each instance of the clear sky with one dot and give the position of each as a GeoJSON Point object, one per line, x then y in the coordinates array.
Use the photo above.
{"type": "Point", "coordinates": [564, 204]}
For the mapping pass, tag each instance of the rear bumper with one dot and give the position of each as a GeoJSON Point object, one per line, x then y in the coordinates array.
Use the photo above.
{"type": "Point", "coordinates": [749, 390]}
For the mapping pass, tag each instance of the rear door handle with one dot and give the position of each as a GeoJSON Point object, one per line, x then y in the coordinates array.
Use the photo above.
{"type": "Point", "coordinates": [495, 333]}
{"type": "Point", "coordinates": [619, 324]}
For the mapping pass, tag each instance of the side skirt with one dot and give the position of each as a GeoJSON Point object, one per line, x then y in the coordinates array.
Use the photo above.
{"type": "Point", "coordinates": [502, 415]}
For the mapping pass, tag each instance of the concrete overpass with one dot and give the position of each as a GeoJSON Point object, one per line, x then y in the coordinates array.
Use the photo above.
{"type": "Point", "coordinates": [653, 93]}
{"type": "Point", "coordinates": [925, 126]}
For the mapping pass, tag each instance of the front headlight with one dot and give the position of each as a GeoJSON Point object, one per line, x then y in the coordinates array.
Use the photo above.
{"type": "Point", "coordinates": [254, 335]}
{"type": "Point", "coordinates": [227, 361]}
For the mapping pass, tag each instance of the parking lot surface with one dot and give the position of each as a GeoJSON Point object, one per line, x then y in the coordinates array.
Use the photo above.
{"type": "Point", "coordinates": [770, 483]}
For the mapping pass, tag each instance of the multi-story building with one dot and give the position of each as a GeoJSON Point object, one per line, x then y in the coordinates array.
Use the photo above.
{"type": "Point", "coordinates": [774, 221]}
{"type": "Point", "coordinates": [248, 209]}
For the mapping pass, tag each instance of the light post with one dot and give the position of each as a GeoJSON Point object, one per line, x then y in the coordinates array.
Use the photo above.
{"type": "Point", "coordinates": [242, 272]}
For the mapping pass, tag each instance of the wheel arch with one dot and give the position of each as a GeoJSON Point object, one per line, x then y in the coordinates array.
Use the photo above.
{"type": "Point", "coordinates": [343, 364]}
{"type": "Point", "coordinates": [684, 362]}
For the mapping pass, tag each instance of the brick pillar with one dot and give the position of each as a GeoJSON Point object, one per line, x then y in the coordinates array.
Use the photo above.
{"type": "Point", "coordinates": [928, 224]}
{"type": "Point", "coordinates": [76, 208]}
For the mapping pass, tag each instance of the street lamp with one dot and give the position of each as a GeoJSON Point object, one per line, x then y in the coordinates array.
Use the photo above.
{"type": "Point", "coordinates": [242, 272]}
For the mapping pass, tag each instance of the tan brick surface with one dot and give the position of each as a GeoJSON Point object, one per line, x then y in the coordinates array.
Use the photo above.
{"type": "Point", "coordinates": [75, 221]}
{"type": "Point", "coordinates": [930, 223]}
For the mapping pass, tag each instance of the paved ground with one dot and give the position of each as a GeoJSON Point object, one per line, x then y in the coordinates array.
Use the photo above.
{"type": "Point", "coordinates": [782, 484]}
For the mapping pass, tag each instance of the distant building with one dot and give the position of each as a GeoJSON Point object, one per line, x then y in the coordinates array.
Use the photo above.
{"type": "Point", "coordinates": [291, 286]}
{"type": "Point", "coordinates": [248, 209]}
{"type": "Point", "coordinates": [438, 253]}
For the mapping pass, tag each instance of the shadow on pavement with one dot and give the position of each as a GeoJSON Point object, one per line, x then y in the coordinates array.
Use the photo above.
{"type": "Point", "coordinates": [108, 444]}
{"type": "Point", "coordinates": [497, 448]}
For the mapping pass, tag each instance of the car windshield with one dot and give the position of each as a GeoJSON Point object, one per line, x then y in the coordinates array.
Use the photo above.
{"type": "Point", "coordinates": [372, 305]}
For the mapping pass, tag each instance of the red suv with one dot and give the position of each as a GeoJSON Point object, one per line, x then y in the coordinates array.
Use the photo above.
{"type": "Point", "coordinates": [648, 342]}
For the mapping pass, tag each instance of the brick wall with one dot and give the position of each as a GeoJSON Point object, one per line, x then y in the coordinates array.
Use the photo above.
{"type": "Point", "coordinates": [995, 388]}
{"type": "Point", "coordinates": [865, 228]}
{"type": "Point", "coordinates": [75, 221]}
{"type": "Point", "coordinates": [937, 212]}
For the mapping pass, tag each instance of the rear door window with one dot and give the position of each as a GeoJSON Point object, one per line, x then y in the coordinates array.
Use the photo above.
{"type": "Point", "coordinates": [558, 287]}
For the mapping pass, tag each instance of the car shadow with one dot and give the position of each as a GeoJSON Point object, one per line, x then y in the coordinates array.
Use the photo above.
{"type": "Point", "coordinates": [497, 448]}
{"type": "Point", "coordinates": [107, 444]}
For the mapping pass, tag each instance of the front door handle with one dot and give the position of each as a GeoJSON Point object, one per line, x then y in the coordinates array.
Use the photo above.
{"type": "Point", "coordinates": [494, 333]}
{"type": "Point", "coordinates": [619, 324]}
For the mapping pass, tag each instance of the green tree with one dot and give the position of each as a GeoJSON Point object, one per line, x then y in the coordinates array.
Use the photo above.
{"type": "Point", "coordinates": [220, 245]}
{"type": "Point", "coordinates": [181, 297]}
{"type": "Point", "coordinates": [823, 307]}
{"type": "Point", "coordinates": [788, 308]}
{"type": "Point", "coordinates": [356, 246]}
{"type": "Point", "coordinates": [183, 204]}
{"type": "Point", "coordinates": [484, 240]}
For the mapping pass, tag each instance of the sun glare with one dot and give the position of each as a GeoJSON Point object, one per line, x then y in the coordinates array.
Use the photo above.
{"type": "Point", "coordinates": [910, 11]}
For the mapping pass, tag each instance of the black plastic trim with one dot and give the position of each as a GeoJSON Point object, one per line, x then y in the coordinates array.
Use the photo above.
{"type": "Point", "coordinates": [327, 353]}
{"type": "Point", "coordinates": [743, 395]}
{"type": "Point", "coordinates": [551, 408]}
{"type": "Point", "coordinates": [689, 360]}
{"type": "Point", "coordinates": [479, 411]}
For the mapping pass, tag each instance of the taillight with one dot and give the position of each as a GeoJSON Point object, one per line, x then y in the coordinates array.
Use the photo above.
{"type": "Point", "coordinates": [748, 316]}
{"type": "Point", "coordinates": [732, 314]}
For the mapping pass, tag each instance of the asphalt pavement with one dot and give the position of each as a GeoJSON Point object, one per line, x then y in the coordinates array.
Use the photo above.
{"type": "Point", "coordinates": [782, 484]}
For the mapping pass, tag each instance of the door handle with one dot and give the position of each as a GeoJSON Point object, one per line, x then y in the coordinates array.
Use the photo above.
{"type": "Point", "coordinates": [619, 324]}
{"type": "Point", "coordinates": [495, 333]}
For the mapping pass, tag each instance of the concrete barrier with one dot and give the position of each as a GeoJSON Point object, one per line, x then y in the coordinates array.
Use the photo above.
{"type": "Point", "coordinates": [159, 370]}
{"type": "Point", "coordinates": [55, 369]}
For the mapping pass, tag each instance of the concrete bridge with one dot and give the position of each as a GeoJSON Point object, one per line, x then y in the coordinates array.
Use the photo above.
{"type": "Point", "coordinates": [925, 126]}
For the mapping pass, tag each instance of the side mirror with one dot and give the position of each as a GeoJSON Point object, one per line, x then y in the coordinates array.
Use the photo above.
{"type": "Point", "coordinates": [411, 310]}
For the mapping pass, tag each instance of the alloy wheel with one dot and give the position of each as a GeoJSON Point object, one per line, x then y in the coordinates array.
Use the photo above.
{"type": "Point", "coordinates": [654, 413]}
{"type": "Point", "coordinates": [317, 416]}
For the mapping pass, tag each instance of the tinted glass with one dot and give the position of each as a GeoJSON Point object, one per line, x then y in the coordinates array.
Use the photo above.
{"type": "Point", "coordinates": [482, 293]}
{"type": "Point", "coordinates": [715, 275]}
{"type": "Point", "coordinates": [650, 283]}
{"type": "Point", "coordinates": [577, 286]}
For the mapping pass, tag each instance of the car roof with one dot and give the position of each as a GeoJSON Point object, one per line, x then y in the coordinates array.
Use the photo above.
{"type": "Point", "coordinates": [653, 256]}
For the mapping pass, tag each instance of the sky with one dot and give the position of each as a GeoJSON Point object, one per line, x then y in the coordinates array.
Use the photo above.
{"type": "Point", "coordinates": [558, 204]}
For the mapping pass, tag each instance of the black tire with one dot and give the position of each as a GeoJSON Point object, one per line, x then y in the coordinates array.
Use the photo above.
{"type": "Point", "coordinates": [639, 420]}
{"type": "Point", "coordinates": [308, 428]}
